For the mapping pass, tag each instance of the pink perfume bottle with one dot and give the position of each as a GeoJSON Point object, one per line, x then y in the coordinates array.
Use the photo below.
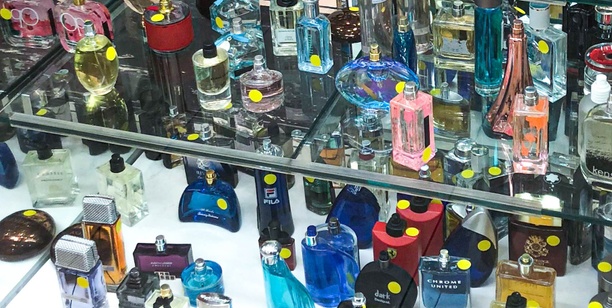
{"type": "Point", "coordinates": [27, 23]}
{"type": "Point", "coordinates": [530, 128]}
{"type": "Point", "coordinates": [70, 16]}
{"type": "Point", "coordinates": [412, 127]}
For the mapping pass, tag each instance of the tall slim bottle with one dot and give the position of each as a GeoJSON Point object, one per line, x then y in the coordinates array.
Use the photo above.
{"type": "Point", "coordinates": [530, 142]}
{"type": "Point", "coordinates": [488, 46]}
{"type": "Point", "coordinates": [313, 32]}
{"type": "Point", "coordinates": [404, 44]}
{"type": "Point", "coordinates": [377, 25]}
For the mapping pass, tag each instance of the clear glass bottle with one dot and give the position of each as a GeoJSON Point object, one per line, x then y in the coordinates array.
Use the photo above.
{"type": "Point", "coordinates": [451, 113]}
{"type": "Point", "coordinates": [242, 45]}
{"type": "Point", "coordinates": [597, 62]}
{"type": "Point", "coordinates": [165, 260]}
{"type": "Point", "coordinates": [313, 36]}
{"type": "Point", "coordinates": [202, 276]}
{"type": "Point", "coordinates": [404, 44]}
{"type": "Point", "coordinates": [284, 15]}
{"type": "Point", "coordinates": [124, 183]}
{"type": "Point", "coordinates": [261, 89]}
{"type": "Point", "coordinates": [453, 32]}
{"type": "Point", "coordinates": [211, 68]}
{"type": "Point", "coordinates": [213, 300]}
{"type": "Point", "coordinates": [445, 281]}
{"type": "Point", "coordinates": [165, 298]}
{"type": "Point", "coordinates": [223, 11]}
{"type": "Point", "coordinates": [176, 127]}
{"type": "Point", "coordinates": [377, 26]}
{"type": "Point", "coordinates": [595, 159]}
{"type": "Point", "coordinates": [530, 140]}
{"type": "Point", "coordinates": [365, 159]}
{"type": "Point", "coordinates": [136, 288]}
{"type": "Point", "coordinates": [598, 96]}
{"type": "Point", "coordinates": [488, 70]}
{"type": "Point", "coordinates": [534, 282]}
{"type": "Point", "coordinates": [50, 177]}
{"type": "Point", "coordinates": [9, 172]}
{"type": "Point", "coordinates": [27, 23]}
{"type": "Point", "coordinates": [70, 18]}
{"type": "Point", "coordinates": [95, 62]}
{"type": "Point", "coordinates": [357, 208]}
{"type": "Point", "coordinates": [457, 159]}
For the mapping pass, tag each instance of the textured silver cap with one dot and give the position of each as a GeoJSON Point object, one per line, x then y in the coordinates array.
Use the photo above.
{"type": "Point", "coordinates": [213, 300]}
{"type": "Point", "coordinates": [479, 158]}
{"type": "Point", "coordinates": [99, 209]}
{"type": "Point", "coordinates": [76, 253]}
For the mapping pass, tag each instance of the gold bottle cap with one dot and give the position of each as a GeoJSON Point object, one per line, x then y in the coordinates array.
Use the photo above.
{"type": "Point", "coordinates": [518, 30]}
{"type": "Point", "coordinates": [525, 264]}
{"type": "Point", "coordinates": [374, 52]}
{"type": "Point", "coordinates": [78, 2]}
{"type": "Point", "coordinates": [211, 176]}
{"type": "Point", "coordinates": [402, 24]}
{"type": "Point", "coordinates": [165, 7]}
{"type": "Point", "coordinates": [165, 291]}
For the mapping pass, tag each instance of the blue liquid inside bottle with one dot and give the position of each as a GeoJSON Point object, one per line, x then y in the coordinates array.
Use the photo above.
{"type": "Point", "coordinates": [488, 70]}
{"type": "Point", "coordinates": [202, 276]}
{"type": "Point", "coordinates": [9, 173]}
{"type": "Point", "coordinates": [357, 208]}
{"type": "Point", "coordinates": [313, 37]}
{"type": "Point", "coordinates": [404, 48]}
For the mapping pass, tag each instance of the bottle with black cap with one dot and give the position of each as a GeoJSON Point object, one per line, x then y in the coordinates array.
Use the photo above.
{"type": "Point", "coordinates": [284, 15]}
{"type": "Point", "coordinates": [124, 183]}
{"type": "Point", "coordinates": [275, 232]}
{"type": "Point", "coordinates": [428, 216]}
{"type": "Point", "coordinates": [514, 300]}
{"type": "Point", "coordinates": [136, 288]}
{"type": "Point", "coordinates": [50, 178]}
{"type": "Point", "coordinates": [211, 67]}
{"type": "Point", "coordinates": [401, 243]}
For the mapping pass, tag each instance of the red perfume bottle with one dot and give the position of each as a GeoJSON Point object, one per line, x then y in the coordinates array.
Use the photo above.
{"type": "Point", "coordinates": [401, 243]}
{"type": "Point", "coordinates": [274, 232]}
{"type": "Point", "coordinates": [168, 26]}
{"type": "Point", "coordinates": [426, 215]}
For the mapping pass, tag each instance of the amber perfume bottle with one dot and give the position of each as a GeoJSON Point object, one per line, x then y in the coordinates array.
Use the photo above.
{"type": "Point", "coordinates": [102, 224]}
{"type": "Point", "coordinates": [534, 282]}
{"type": "Point", "coordinates": [168, 26]}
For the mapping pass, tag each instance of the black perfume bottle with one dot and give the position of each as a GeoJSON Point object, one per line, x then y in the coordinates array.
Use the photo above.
{"type": "Point", "coordinates": [31, 140]}
{"type": "Point", "coordinates": [136, 288]}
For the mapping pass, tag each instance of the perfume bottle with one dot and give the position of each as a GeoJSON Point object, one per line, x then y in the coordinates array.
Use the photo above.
{"type": "Point", "coordinates": [412, 127]}
{"type": "Point", "coordinates": [596, 62]}
{"type": "Point", "coordinates": [404, 44]}
{"type": "Point", "coordinates": [125, 184]}
{"type": "Point", "coordinates": [402, 243]}
{"type": "Point", "coordinates": [358, 301]}
{"type": "Point", "coordinates": [331, 263]}
{"type": "Point", "coordinates": [9, 172]}
{"type": "Point", "coordinates": [313, 37]}
{"type": "Point", "coordinates": [547, 52]}
{"type": "Point", "coordinates": [594, 155]}
{"type": "Point", "coordinates": [426, 216]}
{"type": "Point", "coordinates": [514, 300]}
{"type": "Point", "coordinates": [28, 23]}
{"type": "Point", "coordinates": [604, 274]}
{"type": "Point", "coordinates": [284, 15]}
{"type": "Point", "coordinates": [168, 26]}
{"type": "Point", "coordinates": [602, 299]}
{"type": "Point", "coordinates": [451, 113]}
{"type": "Point", "coordinates": [377, 24]}
{"type": "Point", "coordinates": [211, 201]}
{"type": "Point", "coordinates": [32, 140]}
{"type": "Point", "coordinates": [445, 281]}
{"type": "Point", "coordinates": [261, 89]}
{"type": "Point", "coordinates": [534, 282]}
{"type": "Point", "coordinates": [602, 236]}
{"type": "Point", "coordinates": [136, 288]}
{"type": "Point", "coordinates": [195, 167]}
{"type": "Point", "coordinates": [602, 31]}
{"type": "Point", "coordinates": [457, 159]}
{"type": "Point", "coordinates": [176, 127]}
{"type": "Point", "coordinates": [274, 232]}
{"type": "Point", "coordinates": [80, 273]}
{"type": "Point", "coordinates": [530, 140]}
{"type": "Point", "coordinates": [282, 288]}
{"type": "Point", "coordinates": [165, 260]}
{"type": "Point", "coordinates": [50, 178]}
{"type": "Point", "coordinates": [211, 68]}
{"type": "Point", "coordinates": [70, 18]}
{"type": "Point", "coordinates": [475, 239]}
{"type": "Point", "coordinates": [202, 276]}
{"type": "Point", "coordinates": [453, 33]}
{"type": "Point", "coordinates": [498, 120]}
{"type": "Point", "coordinates": [223, 11]}
{"type": "Point", "coordinates": [102, 224]}
{"type": "Point", "coordinates": [357, 208]}
{"type": "Point", "coordinates": [346, 31]}
{"type": "Point", "coordinates": [95, 61]}
{"type": "Point", "coordinates": [488, 57]}
{"type": "Point", "coordinates": [600, 92]}
{"type": "Point", "coordinates": [509, 14]}
{"type": "Point", "coordinates": [242, 45]}
{"type": "Point", "coordinates": [319, 194]}
{"type": "Point", "coordinates": [365, 159]}
{"type": "Point", "coordinates": [165, 298]}
{"type": "Point", "coordinates": [381, 280]}
{"type": "Point", "coordinates": [372, 82]}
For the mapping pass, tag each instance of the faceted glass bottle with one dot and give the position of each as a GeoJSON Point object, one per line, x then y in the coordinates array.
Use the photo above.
{"type": "Point", "coordinates": [166, 299]}
{"type": "Point", "coordinates": [453, 32]}
{"type": "Point", "coordinates": [284, 15]}
{"type": "Point", "coordinates": [445, 281]}
{"type": "Point", "coordinates": [404, 44]}
{"type": "Point", "coordinates": [357, 208]}
{"type": "Point", "coordinates": [313, 36]}
{"type": "Point", "coordinates": [28, 23]}
{"type": "Point", "coordinates": [9, 172]}
{"type": "Point", "coordinates": [50, 178]}
{"type": "Point", "coordinates": [530, 140]}
{"type": "Point", "coordinates": [377, 24]}
{"type": "Point", "coordinates": [165, 260]}
{"type": "Point", "coordinates": [261, 89]}
{"type": "Point", "coordinates": [488, 71]}
{"type": "Point", "coordinates": [95, 62]}
{"type": "Point", "coordinates": [223, 11]}
{"type": "Point", "coordinates": [211, 68]}
{"type": "Point", "coordinates": [136, 288]}
{"type": "Point", "coordinates": [70, 18]}
{"type": "Point", "coordinates": [242, 45]}
{"type": "Point", "coordinates": [534, 282]}
{"type": "Point", "coordinates": [202, 276]}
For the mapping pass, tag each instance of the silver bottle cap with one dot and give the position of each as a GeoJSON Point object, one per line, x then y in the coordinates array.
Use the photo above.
{"type": "Point", "coordinates": [603, 15]}
{"type": "Point", "coordinates": [333, 226]}
{"type": "Point", "coordinates": [410, 90]}
{"type": "Point", "coordinates": [444, 258]}
{"type": "Point", "coordinates": [359, 300]}
{"type": "Point", "coordinates": [525, 262]}
{"type": "Point", "coordinates": [269, 251]}
{"type": "Point", "coordinates": [458, 9]}
{"type": "Point", "coordinates": [268, 148]}
{"type": "Point", "coordinates": [539, 16]}
{"type": "Point", "coordinates": [424, 173]}
{"type": "Point", "coordinates": [88, 29]}
{"type": "Point", "coordinates": [444, 90]}
{"type": "Point", "coordinates": [463, 148]}
{"type": "Point", "coordinates": [99, 209]}
{"type": "Point", "coordinates": [199, 265]}
{"type": "Point", "coordinates": [479, 158]}
{"type": "Point", "coordinates": [76, 253]}
{"type": "Point", "coordinates": [160, 243]}
{"type": "Point", "coordinates": [206, 132]}
{"type": "Point", "coordinates": [213, 300]}
{"type": "Point", "coordinates": [237, 25]}
{"type": "Point", "coordinates": [531, 96]}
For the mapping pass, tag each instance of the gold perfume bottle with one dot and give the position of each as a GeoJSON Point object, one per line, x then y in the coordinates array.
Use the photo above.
{"type": "Point", "coordinates": [534, 282]}
{"type": "Point", "coordinates": [96, 62]}
{"type": "Point", "coordinates": [102, 224]}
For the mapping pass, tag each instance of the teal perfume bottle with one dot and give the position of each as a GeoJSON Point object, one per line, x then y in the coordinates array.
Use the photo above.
{"type": "Point", "coordinates": [488, 59]}
{"type": "Point", "coordinates": [202, 276]}
{"type": "Point", "coordinates": [283, 290]}
{"type": "Point", "coordinates": [211, 201]}
{"type": "Point", "coordinates": [314, 40]}
{"type": "Point", "coordinates": [242, 45]}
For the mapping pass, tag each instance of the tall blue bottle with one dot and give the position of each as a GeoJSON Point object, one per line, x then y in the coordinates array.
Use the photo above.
{"type": "Point", "coordinates": [9, 173]}
{"type": "Point", "coordinates": [404, 44]}
{"type": "Point", "coordinates": [331, 262]}
{"type": "Point", "coordinates": [357, 208]}
{"type": "Point", "coordinates": [488, 29]}
{"type": "Point", "coordinates": [283, 290]}
{"type": "Point", "coordinates": [313, 39]}
{"type": "Point", "coordinates": [272, 193]}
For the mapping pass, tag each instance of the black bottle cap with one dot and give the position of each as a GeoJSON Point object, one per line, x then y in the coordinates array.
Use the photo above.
{"type": "Point", "coordinates": [209, 50]}
{"type": "Point", "coordinates": [286, 3]}
{"type": "Point", "coordinates": [419, 205]}
{"type": "Point", "coordinates": [396, 226]}
{"type": "Point", "coordinates": [515, 300]}
{"type": "Point", "coordinates": [134, 279]}
{"type": "Point", "coordinates": [116, 163]}
{"type": "Point", "coordinates": [333, 225]}
{"type": "Point", "coordinates": [274, 230]}
{"type": "Point", "coordinates": [44, 153]}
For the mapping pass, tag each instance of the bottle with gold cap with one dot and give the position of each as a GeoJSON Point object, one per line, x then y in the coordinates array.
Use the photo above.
{"type": "Point", "coordinates": [211, 201]}
{"type": "Point", "coordinates": [164, 297]}
{"type": "Point", "coordinates": [536, 283]}
{"type": "Point", "coordinates": [168, 26]}
{"type": "Point", "coordinates": [70, 17]}
{"type": "Point", "coordinates": [453, 33]}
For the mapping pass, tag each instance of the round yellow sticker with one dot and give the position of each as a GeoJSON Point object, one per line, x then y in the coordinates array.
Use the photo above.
{"type": "Point", "coordinates": [394, 287]}
{"type": "Point", "coordinates": [111, 53]}
{"type": "Point", "coordinates": [219, 22]}
{"type": "Point", "coordinates": [29, 213]}
{"type": "Point", "coordinates": [82, 282]}
{"type": "Point", "coordinates": [157, 17]}
{"type": "Point", "coordinates": [403, 204]}
{"type": "Point", "coordinates": [222, 204]}
{"type": "Point", "coordinates": [543, 47]}
{"type": "Point", "coordinates": [604, 267]}
{"type": "Point", "coordinates": [464, 264]}
{"type": "Point", "coordinates": [285, 253]}
{"type": "Point", "coordinates": [412, 231]}
{"type": "Point", "coordinates": [399, 87]}
{"type": "Point", "coordinates": [533, 304]}
{"type": "Point", "coordinates": [6, 14]}
{"type": "Point", "coordinates": [595, 305]}
{"type": "Point", "coordinates": [309, 179]}
{"type": "Point", "coordinates": [495, 171]}
{"type": "Point", "coordinates": [468, 174]}
{"type": "Point", "coordinates": [255, 96]}
{"type": "Point", "coordinates": [41, 112]}
{"type": "Point", "coordinates": [426, 154]}
{"type": "Point", "coordinates": [354, 9]}
{"type": "Point", "coordinates": [484, 245]}
{"type": "Point", "coordinates": [270, 179]}
{"type": "Point", "coordinates": [315, 60]}
{"type": "Point", "coordinates": [553, 240]}
{"type": "Point", "coordinates": [193, 137]}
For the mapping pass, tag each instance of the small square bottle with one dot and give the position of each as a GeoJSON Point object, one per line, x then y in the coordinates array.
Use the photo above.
{"type": "Point", "coordinates": [50, 178]}
{"type": "Point", "coordinates": [313, 36]}
{"type": "Point", "coordinates": [534, 282]}
{"type": "Point", "coordinates": [136, 288]}
{"type": "Point", "coordinates": [202, 276]}
{"type": "Point", "coordinates": [27, 23]}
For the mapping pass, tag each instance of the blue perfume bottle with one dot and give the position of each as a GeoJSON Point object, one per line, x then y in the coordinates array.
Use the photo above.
{"type": "Point", "coordinates": [242, 45]}
{"type": "Point", "coordinates": [9, 173]}
{"type": "Point", "coordinates": [313, 37]}
{"type": "Point", "coordinates": [445, 281]}
{"type": "Point", "coordinates": [202, 276]}
{"type": "Point", "coordinates": [283, 290]}
{"type": "Point", "coordinates": [404, 44]}
{"type": "Point", "coordinates": [223, 11]}
{"type": "Point", "coordinates": [32, 140]}
{"type": "Point", "coordinates": [488, 59]}
{"type": "Point", "coordinates": [211, 201]}
{"type": "Point", "coordinates": [195, 167]}
{"type": "Point", "coordinates": [357, 208]}
{"type": "Point", "coordinates": [331, 262]}
{"type": "Point", "coordinates": [272, 193]}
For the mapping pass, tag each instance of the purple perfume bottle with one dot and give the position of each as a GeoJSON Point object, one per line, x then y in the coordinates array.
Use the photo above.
{"type": "Point", "coordinates": [166, 260]}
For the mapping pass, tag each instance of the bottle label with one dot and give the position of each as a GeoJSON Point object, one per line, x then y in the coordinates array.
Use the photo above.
{"type": "Point", "coordinates": [598, 161]}
{"type": "Point", "coordinates": [453, 46]}
{"type": "Point", "coordinates": [447, 285]}
{"type": "Point", "coordinates": [285, 36]}
{"type": "Point", "coordinates": [72, 23]}
{"type": "Point", "coordinates": [26, 17]}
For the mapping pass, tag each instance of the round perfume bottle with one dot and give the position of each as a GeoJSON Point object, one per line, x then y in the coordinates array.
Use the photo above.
{"type": "Point", "coordinates": [261, 89]}
{"type": "Point", "coordinates": [168, 26]}
{"type": "Point", "coordinates": [598, 60]}
{"type": "Point", "coordinates": [95, 62]}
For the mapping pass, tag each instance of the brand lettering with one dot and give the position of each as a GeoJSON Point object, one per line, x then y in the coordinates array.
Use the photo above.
{"type": "Point", "coordinates": [25, 17]}
{"type": "Point", "coordinates": [271, 201]}
{"type": "Point", "coordinates": [384, 298]}
{"type": "Point", "coordinates": [71, 23]}
{"type": "Point", "coordinates": [601, 172]}
{"type": "Point", "coordinates": [444, 284]}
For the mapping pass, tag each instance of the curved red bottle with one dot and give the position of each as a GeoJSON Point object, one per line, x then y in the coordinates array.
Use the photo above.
{"type": "Point", "coordinates": [401, 243]}
{"type": "Point", "coordinates": [427, 216]}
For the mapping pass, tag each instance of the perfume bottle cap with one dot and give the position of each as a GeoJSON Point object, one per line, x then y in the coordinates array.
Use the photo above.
{"type": "Point", "coordinates": [419, 205]}
{"type": "Point", "coordinates": [600, 89]}
{"type": "Point", "coordinates": [165, 291]}
{"type": "Point", "coordinates": [425, 173]}
{"type": "Point", "coordinates": [444, 90]}
{"type": "Point", "coordinates": [311, 236]}
{"type": "Point", "coordinates": [269, 251]}
{"type": "Point", "coordinates": [444, 258]}
{"type": "Point", "coordinates": [209, 50]}
{"type": "Point", "coordinates": [374, 53]}
{"type": "Point", "coordinates": [539, 15]}
{"type": "Point", "coordinates": [383, 259]}
{"type": "Point", "coordinates": [88, 29]}
{"type": "Point", "coordinates": [213, 300]}
{"type": "Point", "coordinates": [518, 29]}
{"type": "Point", "coordinates": [76, 253]}
{"type": "Point", "coordinates": [463, 148]}
{"type": "Point", "coordinates": [99, 209]}
{"type": "Point", "coordinates": [160, 243]}
{"type": "Point", "coordinates": [410, 90]}
{"type": "Point", "coordinates": [366, 152]}
{"type": "Point", "coordinates": [134, 279]}
{"type": "Point", "coordinates": [206, 132]}
{"type": "Point", "coordinates": [515, 300]}
{"type": "Point", "coordinates": [603, 15]}
{"type": "Point", "coordinates": [396, 226]}
{"type": "Point", "coordinates": [333, 226]}
{"type": "Point", "coordinates": [268, 148]}
{"type": "Point", "coordinates": [488, 4]}
{"type": "Point", "coordinates": [402, 24]}
{"type": "Point", "coordinates": [458, 9]}
{"type": "Point", "coordinates": [116, 163]}
{"type": "Point", "coordinates": [286, 3]}
{"type": "Point", "coordinates": [359, 300]}
{"type": "Point", "coordinates": [44, 153]}
{"type": "Point", "coordinates": [210, 176]}
{"type": "Point", "coordinates": [531, 96]}
{"type": "Point", "coordinates": [200, 264]}
{"type": "Point", "coordinates": [78, 2]}
{"type": "Point", "coordinates": [237, 27]}
{"type": "Point", "coordinates": [165, 6]}
{"type": "Point", "coordinates": [479, 158]}
{"type": "Point", "coordinates": [525, 262]}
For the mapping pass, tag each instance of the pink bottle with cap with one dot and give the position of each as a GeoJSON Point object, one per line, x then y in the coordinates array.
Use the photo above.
{"type": "Point", "coordinates": [70, 17]}
{"type": "Point", "coordinates": [27, 23]}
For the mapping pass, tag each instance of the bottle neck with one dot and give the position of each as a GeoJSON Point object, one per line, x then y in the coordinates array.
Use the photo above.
{"type": "Point", "coordinates": [311, 9]}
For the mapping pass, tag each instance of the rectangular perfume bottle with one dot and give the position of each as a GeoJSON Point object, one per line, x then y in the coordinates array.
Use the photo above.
{"type": "Point", "coordinates": [313, 36]}
{"type": "Point", "coordinates": [136, 288]}
{"type": "Point", "coordinates": [50, 178]}
{"type": "Point", "coordinates": [595, 155]}
{"type": "Point", "coordinates": [102, 224]}
{"type": "Point", "coordinates": [445, 281]}
{"type": "Point", "coordinates": [451, 113]}
{"type": "Point", "coordinates": [26, 23]}
{"type": "Point", "coordinates": [284, 15]}
{"type": "Point", "coordinates": [166, 260]}
{"type": "Point", "coordinates": [453, 32]}
{"type": "Point", "coordinates": [534, 282]}
{"type": "Point", "coordinates": [530, 140]}
{"type": "Point", "coordinates": [69, 21]}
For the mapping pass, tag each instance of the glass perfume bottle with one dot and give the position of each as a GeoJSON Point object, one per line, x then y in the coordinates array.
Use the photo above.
{"type": "Point", "coordinates": [401, 243]}
{"type": "Point", "coordinates": [213, 300]}
{"type": "Point", "coordinates": [211, 68]}
{"type": "Point", "coordinates": [211, 201]}
{"type": "Point", "coordinates": [195, 168]}
{"type": "Point", "coordinates": [384, 281]}
{"type": "Point", "coordinates": [451, 113]}
{"type": "Point", "coordinates": [242, 45]}
{"type": "Point", "coordinates": [371, 82]}
{"type": "Point", "coordinates": [457, 159]}
{"type": "Point", "coordinates": [453, 32]}
{"type": "Point", "coordinates": [594, 152]}
{"type": "Point", "coordinates": [313, 37]}
{"type": "Point", "coordinates": [404, 44]}
{"type": "Point", "coordinates": [530, 140]}
{"type": "Point", "coordinates": [28, 23]}
{"type": "Point", "coordinates": [176, 127]}
{"type": "Point", "coordinates": [357, 208]}
{"type": "Point", "coordinates": [165, 260]}
{"type": "Point", "coordinates": [488, 57]}
{"type": "Point", "coordinates": [331, 263]}
{"type": "Point", "coordinates": [136, 288]}
{"type": "Point", "coordinates": [282, 288]}
{"type": "Point", "coordinates": [223, 11]}
{"type": "Point", "coordinates": [427, 216]}
{"type": "Point", "coordinates": [274, 232]}
{"type": "Point", "coordinates": [596, 62]}
{"type": "Point", "coordinates": [547, 52]}
{"type": "Point", "coordinates": [80, 273]}
{"type": "Point", "coordinates": [412, 127]}
{"type": "Point", "coordinates": [319, 194]}
{"type": "Point", "coordinates": [202, 276]}
{"type": "Point", "coordinates": [445, 281]}
{"type": "Point", "coordinates": [125, 184]}
{"type": "Point", "coordinates": [261, 89]}
{"type": "Point", "coordinates": [168, 26]}
{"type": "Point", "coordinates": [70, 18]}
{"type": "Point", "coordinates": [284, 15]}
{"type": "Point", "coordinates": [366, 159]}
{"type": "Point", "coordinates": [534, 282]}
{"type": "Point", "coordinates": [346, 31]}
{"type": "Point", "coordinates": [165, 298]}
{"type": "Point", "coordinates": [95, 61]}
{"type": "Point", "coordinates": [603, 299]}
{"type": "Point", "coordinates": [32, 140]}
{"type": "Point", "coordinates": [602, 31]}
{"type": "Point", "coordinates": [377, 26]}
{"type": "Point", "coordinates": [9, 172]}
{"type": "Point", "coordinates": [50, 178]}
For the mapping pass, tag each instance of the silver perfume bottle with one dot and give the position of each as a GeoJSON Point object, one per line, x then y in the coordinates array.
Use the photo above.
{"type": "Point", "coordinates": [213, 300]}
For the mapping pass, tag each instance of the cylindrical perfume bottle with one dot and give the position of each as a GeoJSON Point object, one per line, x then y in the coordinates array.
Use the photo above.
{"type": "Point", "coordinates": [202, 276]}
{"type": "Point", "coordinates": [488, 70]}
{"type": "Point", "coordinates": [418, 14]}
{"type": "Point", "coordinates": [346, 30]}
{"type": "Point", "coordinates": [211, 67]}
{"type": "Point", "coordinates": [168, 26]}
{"type": "Point", "coordinates": [284, 15]}
{"type": "Point", "coordinates": [597, 59]}
{"type": "Point", "coordinates": [262, 89]}
{"type": "Point", "coordinates": [377, 25]}
{"type": "Point", "coordinates": [404, 44]}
